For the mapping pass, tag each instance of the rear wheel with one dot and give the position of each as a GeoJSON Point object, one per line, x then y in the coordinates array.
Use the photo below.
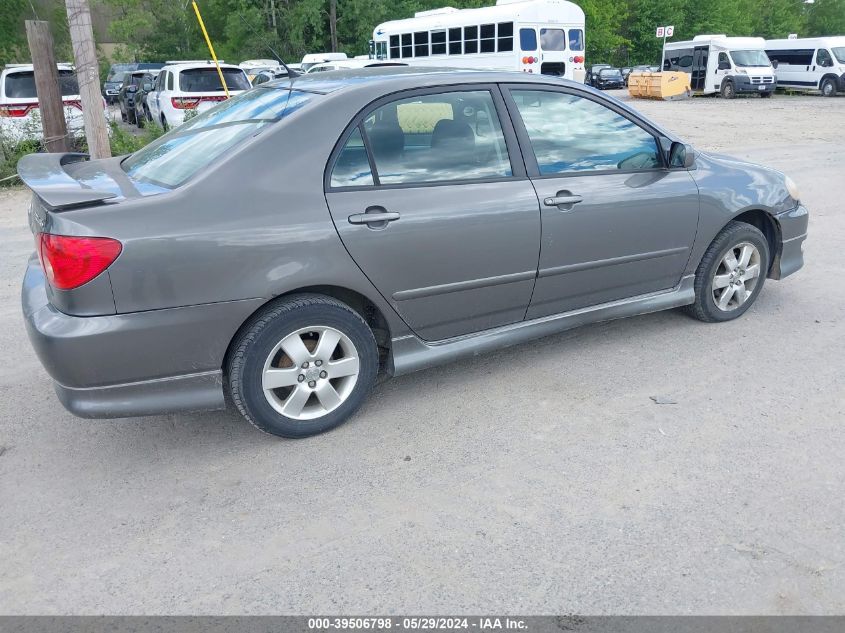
{"type": "Point", "coordinates": [828, 87]}
{"type": "Point", "coordinates": [302, 366]}
{"type": "Point", "coordinates": [731, 273]}
{"type": "Point", "coordinates": [728, 90]}
{"type": "Point", "coordinates": [140, 118]}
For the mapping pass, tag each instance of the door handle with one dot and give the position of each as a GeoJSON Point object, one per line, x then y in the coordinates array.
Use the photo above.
{"type": "Point", "coordinates": [375, 217]}
{"type": "Point", "coordinates": [563, 200]}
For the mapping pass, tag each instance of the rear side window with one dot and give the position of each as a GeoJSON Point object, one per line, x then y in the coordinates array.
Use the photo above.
{"type": "Point", "coordinates": [21, 85]}
{"type": "Point", "coordinates": [173, 158]}
{"type": "Point", "coordinates": [571, 134]}
{"type": "Point", "coordinates": [207, 80]}
{"type": "Point", "coordinates": [528, 39]}
{"type": "Point", "coordinates": [352, 168]}
{"type": "Point", "coordinates": [429, 139]}
{"type": "Point", "coordinates": [576, 40]}
{"type": "Point", "coordinates": [552, 40]}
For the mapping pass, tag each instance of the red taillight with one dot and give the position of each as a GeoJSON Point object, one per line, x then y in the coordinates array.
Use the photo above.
{"type": "Point", "coordinates": [17, 109]}
{"type": "Point", "coordinates": [579, 59]}
{"type": "Point", "coordinates": [70, 262]}
{"type": "Point", "coordinates": [184, 103]}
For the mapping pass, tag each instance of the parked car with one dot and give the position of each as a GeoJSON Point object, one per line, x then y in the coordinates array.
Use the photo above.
{"type": "Point", "coordinates": [181, 87]}
{"type": "Point", "coordinates": [636, 69]}
{"type": "Point", "coordinates": [263, 76]}
{"type": "Point", "coordinates": [116, 75]}
{"type": "Point", "coordinates": [142, 111]}
{"type": "Point", "coordinates": [164, 284]}
{"type": "Point", "coordinates": [20, 117]}
{"type": "Point", "coordinates": [350, 64]}
{"type": "Point", "coordinates": [609, 79]}
{"type": "Point", "coordinates": [816, 63]}
{"type": "Point", "coordinates": [310, 59]}
{"type": "Point", "coordinates": [593, 73]}
{"type": "Point", "coordinates": [126, 95]}
{"type": "Point", "coordinates": [625, 70]}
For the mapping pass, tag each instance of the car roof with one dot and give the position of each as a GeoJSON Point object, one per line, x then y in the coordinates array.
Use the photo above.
{"type": "Point", "coordinates": [192, 66]}
{"type": "Point", "coordinates": [382, 79]}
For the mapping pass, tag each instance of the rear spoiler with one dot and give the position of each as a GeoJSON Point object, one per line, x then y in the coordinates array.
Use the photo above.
{"type": "Point", "coordinates": [44, 173]}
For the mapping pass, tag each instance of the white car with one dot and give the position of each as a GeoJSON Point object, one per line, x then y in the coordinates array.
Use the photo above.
{"type": "Point", "coordinates": [184, 86]}
{"type": "Point", "coordinates": [20, 118]}
{"type": "Point", "coordinates": [346, 64]}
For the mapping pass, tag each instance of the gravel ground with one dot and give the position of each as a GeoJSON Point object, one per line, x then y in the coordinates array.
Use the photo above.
{"type": "Point", "coordinates": [539, 479]}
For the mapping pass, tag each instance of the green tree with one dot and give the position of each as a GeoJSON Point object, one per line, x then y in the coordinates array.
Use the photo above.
{"type": "Point", "coordinates": [825, 17]}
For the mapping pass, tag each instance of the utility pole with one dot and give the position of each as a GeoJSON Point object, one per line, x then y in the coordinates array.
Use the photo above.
{"type": "Point", "coordinates": [47, 89]}
{"type": "Point", "coordinates": [88, 75]}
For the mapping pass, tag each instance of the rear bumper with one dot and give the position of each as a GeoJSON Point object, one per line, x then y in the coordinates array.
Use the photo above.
{"type": "Point", "coordinates": [793, 228]}
{"type": "Point", "coordinates": [142, 363]}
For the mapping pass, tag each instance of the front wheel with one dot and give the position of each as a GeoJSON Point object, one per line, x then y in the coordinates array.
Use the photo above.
{"type": "Point", "coordinates": [828, 88]}
{"type": "Point", "coordinates": [731, 273]}
{"type": "Point", "coordinates": [728, 90]}
{"type": "Point", "coordinates": [302, 366]}
{"type": "Point", "coordinates": [766, 95]}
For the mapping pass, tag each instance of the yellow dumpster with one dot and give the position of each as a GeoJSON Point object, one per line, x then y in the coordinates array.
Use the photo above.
{"type": "Point", "coordinates": [661, 85]}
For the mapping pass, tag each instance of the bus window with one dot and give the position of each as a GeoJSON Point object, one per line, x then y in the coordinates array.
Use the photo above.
{"type": "Point", "coordinates": [407, 48]}
{"type": "Point", "coordinates": [470, 39]}
{"type": "Point", "coordinates": [438, 42]}
{"type": "Point", "coordinates": [488, 38]}
{"type": "Point", "coordinates": [528, 39]}
{"type": "Point", "coordinates": [421, 44]}
{"type": "Point", "coordinates": [552, 40]}
{"type": "Point", "coordinates": [505, 37]}
{"type": "Point", "coordinates": [455, 41]}
{"type": "Point", "coordinates": [394, 47]}
{"type": "Point", "coordinates": [576, 40]}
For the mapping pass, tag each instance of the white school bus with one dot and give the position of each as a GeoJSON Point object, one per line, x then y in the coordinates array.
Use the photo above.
{"type": "Point", "coordinates": [533, 36]}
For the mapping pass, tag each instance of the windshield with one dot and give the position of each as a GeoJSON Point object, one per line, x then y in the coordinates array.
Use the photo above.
{"type": "Point", "coordinates": [839, 53]}
{"type": "Point", "coordinates": [207, 80]}
{"type": "Point", "coordinates": [173, 158]}
{"type": "Point", "coordinates": [750, 58]}
{"type": "Point", "coordinates": [21, 85]}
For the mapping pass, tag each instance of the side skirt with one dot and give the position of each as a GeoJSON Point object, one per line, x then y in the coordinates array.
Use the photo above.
{"type": "Point", "coordinates": [410, 353]}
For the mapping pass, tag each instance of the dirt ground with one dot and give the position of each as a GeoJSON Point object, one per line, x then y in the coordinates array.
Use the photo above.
{"type": "Point", "coordinates": [537, 479]}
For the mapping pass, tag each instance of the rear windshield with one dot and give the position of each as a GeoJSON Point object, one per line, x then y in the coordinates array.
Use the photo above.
{"type": "Point", "coordinates": [21, 85]}
{"type": "Point", "coordinates": [207, 80]}
{"type": "Point", "coordinates": [173, 158]}
{"type": "Point", "coordinates": [610, 72]}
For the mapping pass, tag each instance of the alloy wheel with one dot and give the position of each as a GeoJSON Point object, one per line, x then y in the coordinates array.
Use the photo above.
{"type": "Point", "coordinates": [736, 277]}
{"type": "Point", "coordinates": [310, 372]}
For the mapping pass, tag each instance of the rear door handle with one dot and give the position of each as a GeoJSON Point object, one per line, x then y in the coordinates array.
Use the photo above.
{"type": "Point", "coordinates": [373, 218]}
{"type": "Point", "coordinates": [563, 201]}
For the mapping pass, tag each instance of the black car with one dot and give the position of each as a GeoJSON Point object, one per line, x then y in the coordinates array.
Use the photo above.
{"type": "Point", "coordinates": [127, 93]}
{"type": "Point", "coordinates": [142, 111]}
{"type": "Point", "coordinates": [636, 69]}
{"type": "Point", "coordinates": [117, 73]}
{"type": "Point", "coordinates": [609, 78]}
{"type": "Point", "coordinates": [593, 73]}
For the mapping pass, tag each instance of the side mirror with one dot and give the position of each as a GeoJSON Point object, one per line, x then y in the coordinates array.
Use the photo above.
{"type": "Point", "coordinates": [724, 65]}
{"type": "Point", "coordinates": [775, 63]}
{"type": "Point", "coordinates": [681, 155]}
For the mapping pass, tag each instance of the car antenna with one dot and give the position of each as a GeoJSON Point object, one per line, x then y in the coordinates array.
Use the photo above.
{"type": "Point", "coordinates": [291, 73]}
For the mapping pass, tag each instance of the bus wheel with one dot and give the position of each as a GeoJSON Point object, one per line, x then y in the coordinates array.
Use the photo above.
{"type": "Point", "coordinates": [728, 91]}
{"type": "Point", "coordinates": [828, 88]}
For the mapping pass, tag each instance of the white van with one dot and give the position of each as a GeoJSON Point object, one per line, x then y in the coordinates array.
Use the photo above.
{"type": "Point", "coordinates": [727, 65]}
{"type": "Point", "coordinates": [810, 63]}
{"type": "Point", "coordinates": [318, 58]}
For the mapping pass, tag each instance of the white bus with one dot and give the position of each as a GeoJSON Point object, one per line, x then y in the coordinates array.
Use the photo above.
{"type": "Point", "coordinates": [534, 36]}
{"type": "Point", "coordinates": [727, 65]}
{"type": "Point", "coordinates": [809, 63]}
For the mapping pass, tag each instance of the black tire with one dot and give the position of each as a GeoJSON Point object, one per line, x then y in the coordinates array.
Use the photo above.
{"type": "Point", "coordinates": [140, 119]}
{"type": "Point", "coordinates": [123, 116]}
{"type": "Point", "coordinates": [705, 308]}
{"type": "Point", "coordinates": [766, 95]}
{"type": "Point", "coordinates": [164, 125]}
{"type": "Point", "coordinates": [828, 87]}
{"type": "Point", "coordinates": [728, 90]}
{"type": "Point", "coordinates": [265, 330]}
{"type": "Point", "coordinates": [131, 118]}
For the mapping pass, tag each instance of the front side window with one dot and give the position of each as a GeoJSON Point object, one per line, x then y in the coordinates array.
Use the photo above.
{"type": "Point", "coordinates": [173, 158]}
{"type": "Point", "coordinates": [823, 58]}
{"type": "Point", "coordinates": [437, 138]}
{"type": "Point", "coordinates": [528, 39]}
{"type": "Point", "coordinates": [552, 40]}
{"type": "Point", "coordinates": [573, 134]}
{"type": "Point", "coordinates": [724, 62]}
{"type": "Point", "coordinates": [576, 40]}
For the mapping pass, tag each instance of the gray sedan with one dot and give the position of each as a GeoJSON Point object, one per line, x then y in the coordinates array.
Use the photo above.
{"type": "Point", "coordinates": [280, 250]}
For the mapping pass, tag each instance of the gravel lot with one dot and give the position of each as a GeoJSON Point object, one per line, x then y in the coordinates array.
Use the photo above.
{"type": "Point", "coordinates": [539, 479]}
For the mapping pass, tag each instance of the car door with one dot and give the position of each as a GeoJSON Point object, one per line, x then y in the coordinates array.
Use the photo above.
{"type": "Point", "coordinates": [152, 98]}
{"type": "Point", "coordinates": [430, 197]}
{"type": "Point", "coordinates": [616, 222]}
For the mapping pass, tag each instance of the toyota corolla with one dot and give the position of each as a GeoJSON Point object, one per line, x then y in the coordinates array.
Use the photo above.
{"type": "Point", "coordinates": [280, 250]}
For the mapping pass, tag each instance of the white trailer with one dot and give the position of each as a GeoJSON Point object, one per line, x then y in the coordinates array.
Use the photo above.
{"type": "Point", "coordinates": [721, 64]}
{"type": "Point", "coordinates": [816, 63]}
{"type": "Point", "coordinates": [533, 36]}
